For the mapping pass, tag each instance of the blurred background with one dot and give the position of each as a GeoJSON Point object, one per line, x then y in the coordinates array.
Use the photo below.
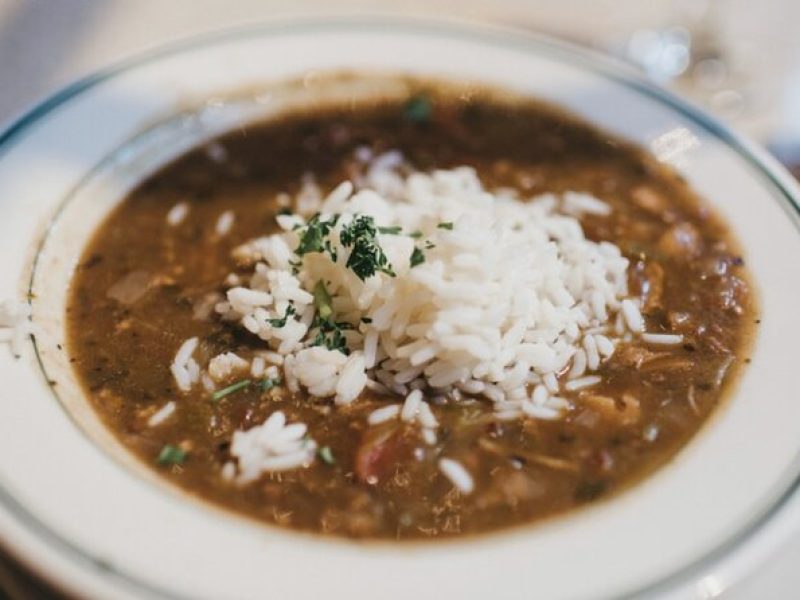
{"type": "Point", "coordinates": [739, 59]}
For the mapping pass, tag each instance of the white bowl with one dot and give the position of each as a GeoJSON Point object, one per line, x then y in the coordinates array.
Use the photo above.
{"type": "Point", "coordinates": [84, 513]}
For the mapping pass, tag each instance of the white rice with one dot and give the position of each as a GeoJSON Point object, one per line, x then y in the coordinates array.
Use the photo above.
{"type": "Point", "coordinates": [508, 415]}
{"type": "Point", "coordinates": [544, 413]}
{"type": "Point", "coordinates": [582, 382]}
{"type": "Point", "coordinates": [383, 414]}
{"type": "Point", "coordinates": [550, 382]}
{"type": "Point", "coordinates": [429, 436]}
{"type": "Point", "coordinates": [272, 446]}
{"type": "Point", "coordinates": [413, 411]}
{"type": "Point", "coordinates": [540, 395]}
{"type": "Point", "coordinates": [326, 373]}
{"type": "Point", "coordinates": [257, 367]}
{"type": "Point", "coordinates": [224, 365]}
{"type": "Point", "coordinates": [426, 416]}
{"type": "Point", "coordinates": [177, 214]}
{"type": "Point", "coordinates": [604, 345]}
{"type": "Point", "coordinates": [665, 339]}
{"type": "Point", "coordinates": [633, 318]}
{"type": "Point", "coordinates": [15, 324]}
{"type": "Point", "coordinates": [163, 413]}
{"type": "Point", "coordinates": [225, 223]}
{"type": "Point", "coordinates": [208, 383]}
{"type": "Point", "coordinates": [578, 204]}
{"type": "Point", "coordinates": [457, 475]}
{"type": "Point", "coordinates": [510, 292]}
{"type": "Point", "coordinates": [228, 471]}
{"type": "Point", "coordinates": [411, 406]}
{"type": "Point", "coordinates": [184, 368]}
{"type": "Point", "coordinates": [578, 364]}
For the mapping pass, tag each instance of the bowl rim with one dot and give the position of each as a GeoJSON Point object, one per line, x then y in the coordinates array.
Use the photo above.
{"type": "Point", "coordinates": [60, 548]}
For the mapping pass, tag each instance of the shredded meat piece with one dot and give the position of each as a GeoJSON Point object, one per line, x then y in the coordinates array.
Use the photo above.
{"type": "Point", "coordinates": [681, 321]}
{"type": "Point", "coordinates": [519, 487]}
{"type": "Point", "coordinates": [381, 449]}
{"type": "Point", "coordinates": [654, 203]}
{"type": "Point", "coordinates": [625, 411]}
{"type": "Point", "coordinates": [668, 364]}
{"type": "Point", "coordinates": [131, 288]}
{"type": "Point", "coordinates": [631, 355]}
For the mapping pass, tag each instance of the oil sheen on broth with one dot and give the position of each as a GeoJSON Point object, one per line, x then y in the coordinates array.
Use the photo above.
{"type": "Point", "coordinates": [381, 482]}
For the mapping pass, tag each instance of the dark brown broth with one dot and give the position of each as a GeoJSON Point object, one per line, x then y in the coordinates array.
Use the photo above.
{"type": "Point", "coordinates": [683, 263]}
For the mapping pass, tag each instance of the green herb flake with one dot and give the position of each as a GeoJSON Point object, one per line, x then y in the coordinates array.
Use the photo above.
{"type": "Point", "coordinates": [171, 455]}
{"type": "Point", "coordinates": [281, 322]}
{"type": "Point", "coordinates": [366, 257]}
{"type": "Point", "coordinates": [330, 250]}
{"type": "Point", "coordinates": [267, 384]}
{"type": "Point", "coordinates": [326, 455]}
{"type": "Point", "coordinates": [322, 300]}
{"type": "Point", "coordinates": [313, 234]}
{"type": "Point", "coordinates": [227, 391]}
{"type": "Point", "coordinates": [331, 334]}
{"type": "Point", "coordinates": [418, 109]}
{"type": "Point", "coordinates": [415, 234]}
{"type": "Point", "coordinates": [417, 257]}
{"type": "Point", "coordinates": [366, 320]}
{"type": "Point", "coordinates": [394, 230]}
{"type": "Point", "coordinates": [446, 225]}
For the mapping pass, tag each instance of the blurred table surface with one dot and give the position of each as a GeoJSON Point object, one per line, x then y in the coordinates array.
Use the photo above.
{"type": "Point", "coordinates": [45, 44]}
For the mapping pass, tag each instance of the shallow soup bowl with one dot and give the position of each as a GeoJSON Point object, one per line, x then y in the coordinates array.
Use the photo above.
{"type": "Point", "coordinates": [84, 513]}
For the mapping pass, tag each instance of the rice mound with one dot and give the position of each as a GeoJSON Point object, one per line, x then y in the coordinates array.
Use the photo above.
{"type": "Point", "coordinates": [509, 300]}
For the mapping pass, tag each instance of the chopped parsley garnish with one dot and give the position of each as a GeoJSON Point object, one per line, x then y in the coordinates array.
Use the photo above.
{"type": "Point", "coordinates": [366, 257]}
{"type": "Point", "coordinates": [366, 320]}
{"type": "Point", "coordinates": [227, 391]}
{"type": "Point", "coordinates": [322, 300]}
{"type": "Point", "coordinates": [281, 322]}
{"type": "Point", "coordinates": [267, 384]}
{"type": "Point", "coordinates": [330, 250]}
{"type": "Point", "coordinates": [331, 334]}
{"type": "Point", "coordinates": [418, 109]}
{"type": "Point", "coordinates": [171, 455]}
{"type": "Point", "coordinates": [326, 455]}
{"type": "Point", "coordinates": [417, 257]}
{"type": "Point", "coordinates": [313, 234]}
{"type": "Point", "coordinates": [415, 234]}
{"type": "Point", "coordinates": [446, 225]}
{"type": "Point", "coordinates": [360, 236]}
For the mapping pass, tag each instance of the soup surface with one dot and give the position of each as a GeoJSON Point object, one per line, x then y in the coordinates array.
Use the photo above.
{"type": "Point", "coordinates": [150, 278]}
